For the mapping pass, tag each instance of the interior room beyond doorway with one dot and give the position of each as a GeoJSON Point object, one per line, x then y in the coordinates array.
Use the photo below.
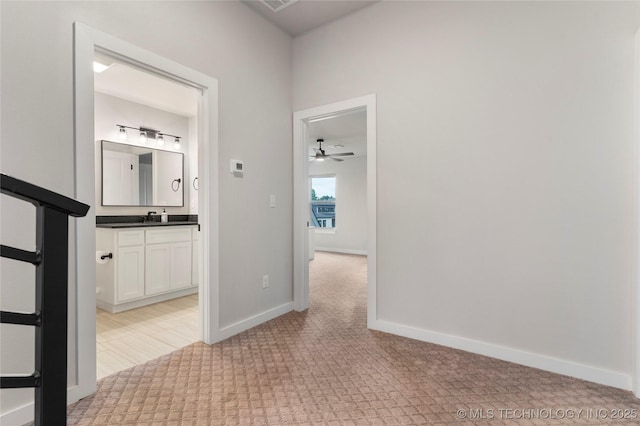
{"type": "Point", "coordinates": [146, 162]}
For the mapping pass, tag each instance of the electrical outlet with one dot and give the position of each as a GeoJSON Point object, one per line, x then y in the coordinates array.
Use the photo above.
{"type": "Point", "coordinates": [265, 281]}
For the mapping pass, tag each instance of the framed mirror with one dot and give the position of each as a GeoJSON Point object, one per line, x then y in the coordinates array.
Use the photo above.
{"type": "Point", "coordinates": [141, 176]}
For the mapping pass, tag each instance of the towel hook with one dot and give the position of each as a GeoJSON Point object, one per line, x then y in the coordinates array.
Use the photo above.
{"type": "Point", "coordinates": [175, 188]}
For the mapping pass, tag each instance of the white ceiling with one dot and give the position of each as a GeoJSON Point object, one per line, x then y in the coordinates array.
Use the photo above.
{"type": "Point", "coordinates": [135, 85]}
{"type": "Point", "coordinates": [348, 129]}
{"type": "Point", "coordinates": [305, 15]}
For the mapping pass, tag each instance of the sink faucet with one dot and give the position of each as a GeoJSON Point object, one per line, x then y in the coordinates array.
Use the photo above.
{"type": "Point", "coordinates": [149, 217]}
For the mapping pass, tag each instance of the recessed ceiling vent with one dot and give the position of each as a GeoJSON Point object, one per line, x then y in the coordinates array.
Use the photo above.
{"type": "Point", "coordinates": [278, 5]}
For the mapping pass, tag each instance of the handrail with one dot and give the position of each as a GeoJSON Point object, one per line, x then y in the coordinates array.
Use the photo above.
{"type": "Point", "coordinates": [50, 319]}
{"type": "Point", "coordinates": [41, 197]}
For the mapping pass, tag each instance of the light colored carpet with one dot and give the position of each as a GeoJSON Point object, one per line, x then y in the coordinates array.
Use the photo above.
{"type": "Point", "coordinates": [323, 367]}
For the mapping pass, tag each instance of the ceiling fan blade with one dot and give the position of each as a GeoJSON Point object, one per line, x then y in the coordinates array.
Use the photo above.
{"type": "Point", "coordinates": [343, 153]}
{"type": "Point", "coordinates": [335, 159]}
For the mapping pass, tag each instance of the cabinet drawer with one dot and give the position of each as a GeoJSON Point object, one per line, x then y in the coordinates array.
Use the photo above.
{"type": "Point", "coordinates": [130, 238]}
{"type": "Point", "coordinates": [173, 235]}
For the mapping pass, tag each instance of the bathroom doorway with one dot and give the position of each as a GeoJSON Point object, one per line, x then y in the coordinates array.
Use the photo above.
{"type": "Point", "coordinates": [88, 41]}
{"type": "Point", "coordinates": [146, 171]}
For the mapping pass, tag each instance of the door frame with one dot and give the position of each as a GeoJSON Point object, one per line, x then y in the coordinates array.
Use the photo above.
{"type": "Point", "coordinates": [87, 40]}
{"type": "Point", "coordinates": [301, 202]}
{"type": "Point", "coordinates": [635, 385]}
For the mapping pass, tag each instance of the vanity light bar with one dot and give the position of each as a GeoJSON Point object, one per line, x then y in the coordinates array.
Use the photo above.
{"type": "Point", "coordinates": [146, 134]}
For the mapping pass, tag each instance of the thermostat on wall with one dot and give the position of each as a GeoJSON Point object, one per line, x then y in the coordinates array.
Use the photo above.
{"type": "Point", "coordinates": [237, 167]}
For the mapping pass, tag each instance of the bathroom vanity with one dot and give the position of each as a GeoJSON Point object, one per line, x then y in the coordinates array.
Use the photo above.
{"type": "Point", "coordinates": [139, 264]}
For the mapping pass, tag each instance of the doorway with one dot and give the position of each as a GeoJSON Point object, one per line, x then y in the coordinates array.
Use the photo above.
{"type": "Point", "coordinates": [301, 134]}
{"type": "Point", "coordinates": [142, 315]}
{"type": "Point", "coordinates": [87, 41]}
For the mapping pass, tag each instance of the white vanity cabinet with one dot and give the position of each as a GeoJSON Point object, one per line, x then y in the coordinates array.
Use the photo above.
{"type": "Point", "coordinates": [129, 266]}
{"type": "Point", "coordinates": [149, 265]}
{"type": "Point", "coordinates": [168, 259]}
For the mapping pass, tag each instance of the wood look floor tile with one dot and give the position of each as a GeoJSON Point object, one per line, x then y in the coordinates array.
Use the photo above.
{"type": "Point", "coordinates": [138, 335]}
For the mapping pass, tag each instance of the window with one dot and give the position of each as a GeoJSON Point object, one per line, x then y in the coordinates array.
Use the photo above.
{"type": "Point", "coordinates": [322, 205]}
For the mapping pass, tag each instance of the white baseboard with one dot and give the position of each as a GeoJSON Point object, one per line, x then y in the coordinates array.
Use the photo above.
{"type": "Point", "coordinates": [24, 414]}
{"type": "Point", "coordinates": [240, 326]}
{"type": "Point", "coordinates": [542, 362]}
{"type": "Point", "coordinates": [344, 251]}
{"type": "Point", "coordinates": [121, 307]}
{"type": "Point", "coordinates": [18, 416]}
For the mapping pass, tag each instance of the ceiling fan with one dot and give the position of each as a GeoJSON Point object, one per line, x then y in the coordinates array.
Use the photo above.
{"type": "Point", "coordinates": [321, 155]}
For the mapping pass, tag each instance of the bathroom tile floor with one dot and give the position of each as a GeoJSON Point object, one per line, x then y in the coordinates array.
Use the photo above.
{"type": "Point", "coordinates": [134, 337]}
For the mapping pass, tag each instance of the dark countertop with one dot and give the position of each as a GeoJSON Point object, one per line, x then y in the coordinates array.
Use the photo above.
{"type": "Point", "coordinates": [138, 221]}
{"type": "Point", "coordinates": [144, 224]}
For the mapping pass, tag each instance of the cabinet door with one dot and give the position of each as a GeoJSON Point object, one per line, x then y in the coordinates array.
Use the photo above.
{"type": "Point", "coordinates": [180, 265]}
{"type": "Point", "coordinates": [130, 281]}
{"type": "Point", "coordinates": [158, 264]}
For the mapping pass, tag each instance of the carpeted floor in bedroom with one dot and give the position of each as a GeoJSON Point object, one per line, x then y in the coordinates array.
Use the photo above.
{"type": "Point", "coordinates": [323, 367]}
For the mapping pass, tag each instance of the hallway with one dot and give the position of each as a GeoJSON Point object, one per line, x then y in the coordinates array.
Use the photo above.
{"type": "Point", "coordinates": [323, 366]}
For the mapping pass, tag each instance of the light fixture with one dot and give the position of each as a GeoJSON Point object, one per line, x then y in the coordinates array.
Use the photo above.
{"type": "Point", "coordinates": [148, 135]}
{"type": "Point", "coordinates": [99, 66]}
{"type": "Point", "coordinates": [322, 118]}
{"type": "Point", "coordinates": [277, 5]}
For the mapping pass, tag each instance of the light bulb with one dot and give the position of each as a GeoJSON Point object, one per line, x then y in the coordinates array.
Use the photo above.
{"type": "Point", "coordinates": [160, 140]}
{"type": "Point", "coordinates": [98, 67]}
{"type": "Point", "coordinates": [176, 145]}
{"type": "Point", "coordinates": [143, 137]}
{"type": "Point", "coordinates": [122, 134]}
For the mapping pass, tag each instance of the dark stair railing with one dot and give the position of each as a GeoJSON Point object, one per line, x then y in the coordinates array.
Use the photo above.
{"type": "Point", "coordinates": [50, 318]}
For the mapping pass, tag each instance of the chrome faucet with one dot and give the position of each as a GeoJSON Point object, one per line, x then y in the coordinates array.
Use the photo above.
{"type": "Point", "coordinates": [149, 217]}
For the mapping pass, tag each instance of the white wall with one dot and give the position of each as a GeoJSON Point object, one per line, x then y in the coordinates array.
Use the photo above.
{"type": "Point", "coordinates": [251, 61]}
{"type": "Point", "coordinates": [109, 111]}
{"type": "Point", "coordinates": [350, 234]}
{"type": "Point", "coordinates": [505, 171]}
